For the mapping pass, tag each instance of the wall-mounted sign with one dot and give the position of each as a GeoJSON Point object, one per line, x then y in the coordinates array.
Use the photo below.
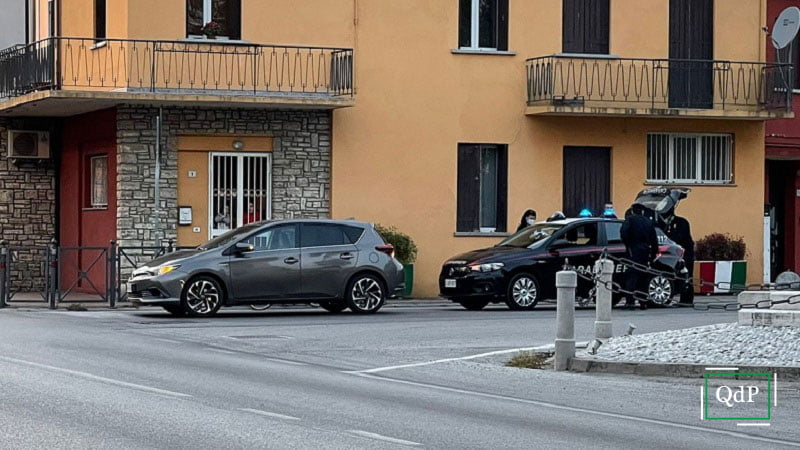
{"type": "Point", "coordinates": [184, 215]}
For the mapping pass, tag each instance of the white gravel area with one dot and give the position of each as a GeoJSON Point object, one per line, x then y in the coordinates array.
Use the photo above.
{"type": "Point", "coordinates": [725, 344]}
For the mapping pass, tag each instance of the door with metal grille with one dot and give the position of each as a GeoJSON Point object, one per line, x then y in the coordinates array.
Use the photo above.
{"type": "Point", "coordinates": [239, 190]}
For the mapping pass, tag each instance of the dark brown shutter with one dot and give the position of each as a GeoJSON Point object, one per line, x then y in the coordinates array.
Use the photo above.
{"type": "Point", "coordinates": [572, 26]}
{"type": "Point", "coordinates": [596, 25]}
{"type": "Point", "coordinates": [465, 23]}
{"type": "Point", "coordinates": [234, 19]}
{"type": "Point", "coordinates": [502, 24]}
{"type": "Point", "coordinates": [469, 187]}
{"type": "Point", "coordinates": [502, 188]}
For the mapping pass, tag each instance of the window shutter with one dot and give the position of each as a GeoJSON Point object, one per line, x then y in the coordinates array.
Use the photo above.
{"type": "Point", "coordinates": [465, 23]}
{"type": "Point", "coordinates": [572, 26]}
{"type": "Point", "coordinates": [468, 188]}
{"type": "Point", "coordinates": [502, 24]}
{"type": "Point", "coordinates": [234, 19]}
{"type": "Point", "coordinates": [596, 15]}
{"type": "Point", "coordinates": [502, 188]}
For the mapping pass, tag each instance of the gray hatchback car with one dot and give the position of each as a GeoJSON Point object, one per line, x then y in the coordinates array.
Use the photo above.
{"type": "Point", "coordinates": [336, 263]}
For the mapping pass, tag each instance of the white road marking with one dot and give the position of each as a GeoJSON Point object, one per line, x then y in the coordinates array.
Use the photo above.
{"type": "Point", "coordinates": [285, 361]}
{"type": "Point", "coordinates": [219, 350]}
{"type": "Point", "coordinates": [723, 368]}
{"type": "Point", "coordinates": [381, 437]}
{"type": "Point", "coordinates": [580, 410]}
{"type": "Point", "coordinates": [753, 424]}
{"type": "Point", "coordinates": [462, 358]}
{"type": "Point", "coordinates": [775, 389]}
{"type": "Point", "coordinates": [89, 376]}
{"type": "Point", "coordinates": [702, 401]}
{"type": "Point", "coordinates": [269, 414]}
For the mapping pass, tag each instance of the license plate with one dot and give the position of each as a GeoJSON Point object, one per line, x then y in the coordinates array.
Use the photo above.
{"type": "Point", "coordinates": [449, 283]}
{"type": "Point", "coordinates": [131, 287]}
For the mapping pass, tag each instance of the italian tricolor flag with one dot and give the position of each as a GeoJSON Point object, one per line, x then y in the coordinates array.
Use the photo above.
{"type": "Point", "coordinates": [720, 277]}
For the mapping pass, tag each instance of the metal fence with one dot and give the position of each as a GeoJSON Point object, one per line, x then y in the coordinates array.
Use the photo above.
{"type": "Point", "coordinates": [658, 83]}
{"type": "Point", "coordinates": [202, 67]}
{"type": "Point", "coordinates": [55, 274]}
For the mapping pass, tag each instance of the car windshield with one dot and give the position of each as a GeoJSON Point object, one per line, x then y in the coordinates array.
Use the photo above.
{"type": "Point", "coordinates": [231, 236]}
{"type": "Point", "coordinates": [531, 236]}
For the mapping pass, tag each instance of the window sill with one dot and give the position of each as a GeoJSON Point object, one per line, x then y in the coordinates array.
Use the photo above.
{"type": "Point", "coordinates": [648, 183]}
{"type": "Point", "coordinates": [586, 55]}
{"type": "Point", "coordinates": [99, 44]}
{"type": "Point", "coordinates": [479, 234]}
{"type": "Point", "coordinates": [96, 208]}
{"type": "Point", "coordinates": [795, 91]}
{"type": "Point", "coordinates": [203, 40]}
{"type": "Point", "coordinates": [477, 51]}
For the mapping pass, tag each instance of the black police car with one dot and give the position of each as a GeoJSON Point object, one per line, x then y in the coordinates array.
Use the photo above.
{"type": "Point", "coordinates": [521, 270]}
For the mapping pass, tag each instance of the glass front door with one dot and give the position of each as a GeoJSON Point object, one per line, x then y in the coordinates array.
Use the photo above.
{"type": "Point", "coordinates": [239, 190]}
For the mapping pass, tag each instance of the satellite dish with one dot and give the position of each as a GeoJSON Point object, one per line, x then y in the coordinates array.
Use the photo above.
{"type": "Point", "coordinates": [786, 27]}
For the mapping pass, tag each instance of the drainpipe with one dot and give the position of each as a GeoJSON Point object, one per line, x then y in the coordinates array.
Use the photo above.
{"type": "Point", "coordinates": [157, 190]}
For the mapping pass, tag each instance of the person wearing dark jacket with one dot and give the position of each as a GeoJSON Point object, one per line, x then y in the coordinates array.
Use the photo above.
{"type": "Point", "coordinates": [679, 231]}
{"type": "Point", "coordinates": [640, 238]}
{"type": "Point", "coordinates": [528, 219]}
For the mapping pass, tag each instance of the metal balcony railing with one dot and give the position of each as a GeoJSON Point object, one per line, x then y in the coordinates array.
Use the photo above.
{"type": "Point", "coordinates": [202, 67]}
{"type": "Point", "coordinates": [658, 84]}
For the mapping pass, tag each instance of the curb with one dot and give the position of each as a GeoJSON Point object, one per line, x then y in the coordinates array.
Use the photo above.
{"type": "Point", "coordinates": [680, 370]}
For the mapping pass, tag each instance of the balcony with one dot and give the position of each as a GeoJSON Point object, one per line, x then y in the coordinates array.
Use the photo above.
{"type": "Point", "coordinates": [67, 76]}
{"type": "Point", "coordinates": [631, 87]}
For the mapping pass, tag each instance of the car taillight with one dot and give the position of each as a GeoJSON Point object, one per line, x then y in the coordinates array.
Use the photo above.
{"type": "Point", "coordinates": [386, 248]}
{"type": "Point", "coordinates": [662, 249]}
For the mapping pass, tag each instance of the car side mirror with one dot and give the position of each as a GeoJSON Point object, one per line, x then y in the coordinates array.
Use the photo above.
{"type": "Point", "coordinates": [244, 247]}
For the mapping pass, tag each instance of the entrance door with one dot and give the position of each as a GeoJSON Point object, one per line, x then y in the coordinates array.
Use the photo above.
{"type": "Point", "coordinates": [239, 190]}
{"type": "Point", "coordinates": [587, 179]}
{"type": "Point", "coordinates": [691, 47]}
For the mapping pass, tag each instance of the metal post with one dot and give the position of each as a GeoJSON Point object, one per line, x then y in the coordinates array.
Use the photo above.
{"type": "Point", "coordinates": [157, 176]}
{"type": "Point", "coordinates": [566, 282]}
{"type": "Point", "coordinates": [3, 280]}
{"type": "Point", "coordinates": [112, 286]}
{"type": "Point", "coordinates": [52, 280]}
{"type": "Point", "coordinates": [170, 245]}
{"type": "Point", "coordinates": [602, 323]}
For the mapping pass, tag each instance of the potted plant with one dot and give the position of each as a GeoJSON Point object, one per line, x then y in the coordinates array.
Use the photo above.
{"type": "Point", "coordinates": [720, 266]}
{"type": "Point", "coordinates": [211, 30]}
{"type": "Point", "coordinates": [405, 251]}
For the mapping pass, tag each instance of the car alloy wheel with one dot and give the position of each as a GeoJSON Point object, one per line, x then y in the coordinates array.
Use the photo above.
{"type": "Point", "coordinates": [523, 292]}
{"type": "Point", "coordinates": [659, 290]}
{"type": "Point", "coordinates": [365, 294]}
{"type": "Point", "coordinates": [262, 307]}
{"type": "Point", "coordinates": [202, 297]}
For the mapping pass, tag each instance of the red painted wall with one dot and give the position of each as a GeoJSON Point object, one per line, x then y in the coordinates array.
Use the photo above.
{"type": "Point", "coordinates": [84, 136]}
{"type": "Point", "coordinates": [783, 136]}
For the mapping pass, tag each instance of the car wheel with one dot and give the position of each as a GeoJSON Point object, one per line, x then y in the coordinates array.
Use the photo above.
{"type": "Point", "coordinates": [175, 310]}
{"type": "Point", "coordinates": [202, 297]}
{"type": "Point", "coordinates": [523, 292]}
{"type": "Point", "coordinates": [333, 307]}
{"type": "Point", "coordinates": [660, 290]}
{"type": "Point", "coordinates": [365, 294]}
{"type": "Point", "coordinates": [261, 307]}
{"type": "Point", "coordinates": [473, 304]}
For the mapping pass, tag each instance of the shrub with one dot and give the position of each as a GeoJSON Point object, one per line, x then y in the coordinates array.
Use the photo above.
{"type": "Point", "coordinates": [527, 360]}
{"type": "Point", "coordinates": [405, 249]}
{"type": "Point", "coordinates": [720, 247]}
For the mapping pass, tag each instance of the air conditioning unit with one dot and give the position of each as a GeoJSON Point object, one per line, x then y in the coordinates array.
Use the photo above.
{"type": "Point", "coordinates": [28, 144]}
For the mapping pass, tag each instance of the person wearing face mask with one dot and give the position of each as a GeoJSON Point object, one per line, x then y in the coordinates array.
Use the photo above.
{"type": "Point", "coordinates": [528, 219]}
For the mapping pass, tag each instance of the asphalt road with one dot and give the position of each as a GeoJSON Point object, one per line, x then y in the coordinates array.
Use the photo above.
{"type": "Point", "coordinates": [303, 378]}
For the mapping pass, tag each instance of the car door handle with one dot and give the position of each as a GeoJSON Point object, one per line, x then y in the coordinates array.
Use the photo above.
{"type": "Point", "coordinates": [290, 260]}
{"type": "Point", "coordinates": [346, 255]}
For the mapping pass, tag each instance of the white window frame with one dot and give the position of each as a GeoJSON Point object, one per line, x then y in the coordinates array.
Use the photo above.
{"type": "Point", "coordinates": [208, 16]}
{"type": "Point", "coordinates": [475, 29]}
{"type": "Point", "coordinates": [240, 179]}
{"type": "Point", "coordinates": [698, 178]}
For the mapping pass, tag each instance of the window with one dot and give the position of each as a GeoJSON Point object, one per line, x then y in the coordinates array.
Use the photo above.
{"type": "Point", "coordinates": [226, 13]}
{"type": "Point", "coordinates": [239, 190]}
{"type": "Point", "coordinates": [353, 233]}
{"type": "Point", "coordinates": [585, 26]}
{"type": "Point", "coordinates": [483, 24]}
{"type": "Point", "coordinates": [482, 188]}
{"type": "Point", "coordinates": [583, 235]}
{"type": "Point", "coordinates": [322, 235]}
{"type": "Point", "coordinates": [100, 19]}
{"type": "Point", "coordinates": [275, 238]}
{"type": "Point", "coordinates": [98, 181]}
{"type": "Point", "coordinates": [614, 233]}
{"type": "Point", "coordinates": [690, 158]}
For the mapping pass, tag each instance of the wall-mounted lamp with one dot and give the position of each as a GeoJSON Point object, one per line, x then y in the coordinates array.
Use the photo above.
{"type": "Point", "coordinates": [238, 145]}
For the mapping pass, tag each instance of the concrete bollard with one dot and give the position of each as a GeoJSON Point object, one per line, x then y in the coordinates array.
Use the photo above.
{"type": "Point", "coordinates": [566, 282]}
{"type": "Point", "coordinates": [602, 322]}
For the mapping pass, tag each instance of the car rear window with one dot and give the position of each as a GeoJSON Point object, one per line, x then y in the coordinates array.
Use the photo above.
{"type": "Point", "coordinates": [323, 235]}
{"type": "Point", "coordinates": [353, 234]}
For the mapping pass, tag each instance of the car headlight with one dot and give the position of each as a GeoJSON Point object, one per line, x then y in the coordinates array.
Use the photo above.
{"type": "Point", "coordinates": [163, 270]}
{"type": "Point", "coordinates": [490, 267]}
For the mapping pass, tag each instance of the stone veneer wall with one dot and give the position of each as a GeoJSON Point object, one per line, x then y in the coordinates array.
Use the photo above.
{"type": "Point", "coordinates": [301, 163]}
{"type": "Point", "coordinates": [27, 213]}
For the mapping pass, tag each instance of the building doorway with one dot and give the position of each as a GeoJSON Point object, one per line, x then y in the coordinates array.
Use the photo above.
{"type": "Point", "coordinates": [239, 190]}
{"type": "Point", "coordinates": [586, 179]}
{"type": "Point", "coordinates": [783, 207]}
{"type": "Point", "coordinates": [691, 48]}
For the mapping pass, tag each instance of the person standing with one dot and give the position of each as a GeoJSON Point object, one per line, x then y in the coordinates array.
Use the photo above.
{"type": "Point", "coordinates": [641, 241]}
{"type": "Point", "coordinates": [528, 219]}
{"type": "Point", "coordinates": [680, 232]}
{"type": "Point", "coordinates": [252, 215]}
{"type": "Point", "coordinates": [608, 211]}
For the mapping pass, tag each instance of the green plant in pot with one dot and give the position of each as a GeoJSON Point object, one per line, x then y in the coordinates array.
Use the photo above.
{"type": "Point", "coordinates": [721, 265]}
{"type": "Point", "coordinates": [405, 250]}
